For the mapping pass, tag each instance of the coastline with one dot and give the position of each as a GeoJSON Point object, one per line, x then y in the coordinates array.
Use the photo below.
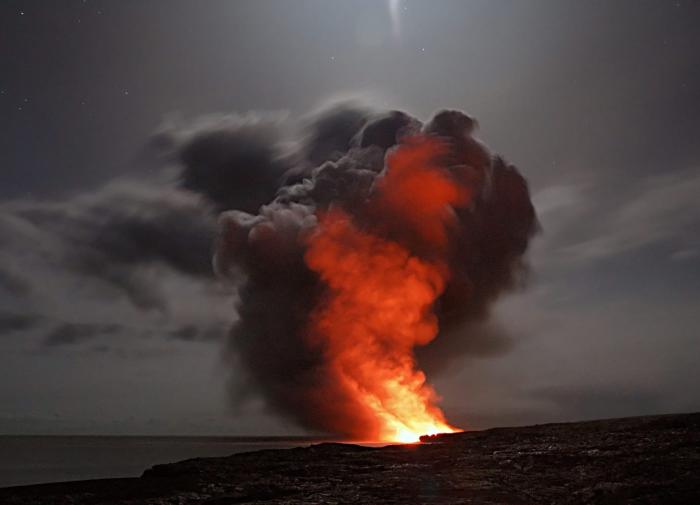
{"type": "Point", "coordinates": [639, 460]}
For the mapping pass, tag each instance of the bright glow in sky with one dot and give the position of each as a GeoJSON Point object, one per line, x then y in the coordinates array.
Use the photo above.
{"type": "Point", "coordinates": [395, 20]}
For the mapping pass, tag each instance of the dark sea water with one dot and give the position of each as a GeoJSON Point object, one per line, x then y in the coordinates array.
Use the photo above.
{"type": "Point", "coordinates": [39, 459]}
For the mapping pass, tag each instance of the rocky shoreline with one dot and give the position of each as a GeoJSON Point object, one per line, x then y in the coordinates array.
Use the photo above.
{"type": "Point", "coordinates": [633, 460]}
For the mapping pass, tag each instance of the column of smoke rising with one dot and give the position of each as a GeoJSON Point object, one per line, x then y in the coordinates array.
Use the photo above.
{"type": "Point", "coordinates": [459, 220]}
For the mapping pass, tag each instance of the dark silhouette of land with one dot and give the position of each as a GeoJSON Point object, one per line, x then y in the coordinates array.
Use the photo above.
{"type": "Point", "coordinates": [633, 460]}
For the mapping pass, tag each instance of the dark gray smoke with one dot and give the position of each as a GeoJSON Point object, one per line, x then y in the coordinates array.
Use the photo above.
{"type": "Point", "coordinates": [234, 161]}
{"type": "Point", "coordinates": [337, 166]}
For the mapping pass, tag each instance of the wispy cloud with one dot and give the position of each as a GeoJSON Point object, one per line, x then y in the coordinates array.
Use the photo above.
{"type": "Point", "coordinates": [592, 222]}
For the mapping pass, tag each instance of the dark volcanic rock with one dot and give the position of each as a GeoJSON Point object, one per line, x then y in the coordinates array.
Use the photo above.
{"type": "Point", "coordinates": [635, 460]}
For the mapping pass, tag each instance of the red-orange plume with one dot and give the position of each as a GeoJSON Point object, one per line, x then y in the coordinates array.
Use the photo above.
{"type": "Point", "coordinates": [379, 302]}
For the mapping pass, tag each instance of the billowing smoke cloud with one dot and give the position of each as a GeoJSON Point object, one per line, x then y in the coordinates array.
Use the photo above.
{"type": "Point", "coordinates": [341, 167]}
{"type": "Point", "coordinates": [234, 161]}
{"type": "Point", "coordinates": [150, 242]}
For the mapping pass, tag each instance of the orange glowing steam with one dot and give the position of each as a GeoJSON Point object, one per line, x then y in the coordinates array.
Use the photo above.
{"type": "Point", "coordinates": [380, 294]}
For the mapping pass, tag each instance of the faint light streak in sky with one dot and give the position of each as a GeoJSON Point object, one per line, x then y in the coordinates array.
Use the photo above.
{"type": "Point", "coordinates": [395, 19]}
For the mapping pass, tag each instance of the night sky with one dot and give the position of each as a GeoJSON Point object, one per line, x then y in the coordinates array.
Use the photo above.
{"type": "Point", "coordinates": [111, 322]}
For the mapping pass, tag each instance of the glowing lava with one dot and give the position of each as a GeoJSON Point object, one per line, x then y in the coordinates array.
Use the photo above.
{"type": "Point", "coordinates": [380, 292]}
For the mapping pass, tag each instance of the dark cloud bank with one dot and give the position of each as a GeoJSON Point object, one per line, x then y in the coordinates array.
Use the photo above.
{"type": "Point", "coordinates": [265, 184]}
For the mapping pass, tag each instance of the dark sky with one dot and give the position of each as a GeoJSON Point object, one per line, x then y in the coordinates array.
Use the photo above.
{"type": "Point", "coordinates": [597, 102]}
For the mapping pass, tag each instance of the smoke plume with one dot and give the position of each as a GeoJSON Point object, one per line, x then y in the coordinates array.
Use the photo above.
{"type": "Point", "coordinates": [386, 244]}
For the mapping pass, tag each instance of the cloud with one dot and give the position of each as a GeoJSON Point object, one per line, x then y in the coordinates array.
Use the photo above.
{"type": "Point", "coordinates": [133, 254]}
{"type": "Point", "coordinates": [115, 236]}
{"type": "Point", "coordinates": [199, 333]}
{"type": "Point", "coordinates": [13, 282]}
{"type": "Point", "coordinates": [76, 333]}
{"type": "Point", "coordinates": [592, 222]}
{"type": "Point", "coordinates": [13, 322]}
{"type": "Point", "coordinates": [140, 249]}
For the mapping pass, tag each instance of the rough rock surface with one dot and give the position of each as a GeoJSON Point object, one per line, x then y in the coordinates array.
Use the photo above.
{"type": "Point", "coordinates": [635, 460]}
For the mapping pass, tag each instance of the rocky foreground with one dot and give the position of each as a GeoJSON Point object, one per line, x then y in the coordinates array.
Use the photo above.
{"type": "Point", "coordinates": [635, 460]}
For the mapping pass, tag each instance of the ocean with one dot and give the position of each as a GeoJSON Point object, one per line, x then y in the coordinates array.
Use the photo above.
{"type": "Point", "coordinates": [39, 459]}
